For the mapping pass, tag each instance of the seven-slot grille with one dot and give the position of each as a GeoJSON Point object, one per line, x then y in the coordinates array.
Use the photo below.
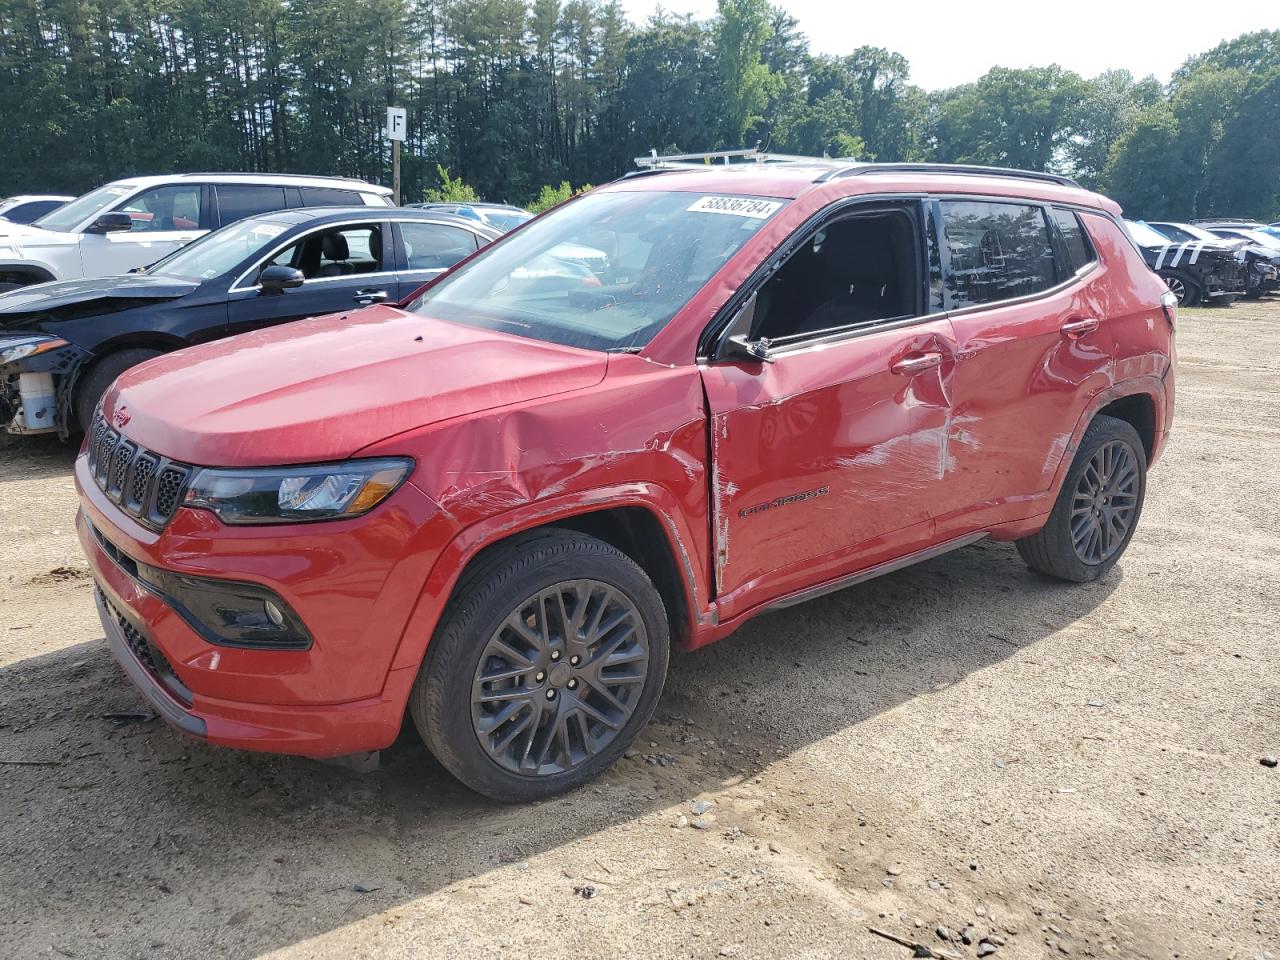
{"type": "Point", "coordinates": [146, 485]}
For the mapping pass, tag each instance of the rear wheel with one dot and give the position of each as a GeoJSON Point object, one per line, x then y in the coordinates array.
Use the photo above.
{"type": "Point", "coordinates": [1097, 509]}
{"type": "Point", "coordinates": [548, 661]}
{"type": "Point", "coordinates": [1183, 287]}
{"type": "Point", "coordinates": [101, 375]}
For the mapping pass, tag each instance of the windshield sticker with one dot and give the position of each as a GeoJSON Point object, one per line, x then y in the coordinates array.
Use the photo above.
{"type": "Point", "coordinates": [736, 207]}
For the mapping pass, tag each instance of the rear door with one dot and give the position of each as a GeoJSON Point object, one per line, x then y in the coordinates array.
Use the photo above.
{"type": "Point", "coordinates": [346, 266]}
{"type": "Point", "coordinates": [426, 249]}
{"type": "Point", "coordinates": [826, 459]}
{"type": "Point", "coordinates": [1032, 347]}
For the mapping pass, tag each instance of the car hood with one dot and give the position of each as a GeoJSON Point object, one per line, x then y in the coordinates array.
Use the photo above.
{"type": "Point", "coordinates": [324, 388]}
{"type": "Point", "coordinates": [15, 237]}
{"type": "Point", "coordinates": [46, 297]}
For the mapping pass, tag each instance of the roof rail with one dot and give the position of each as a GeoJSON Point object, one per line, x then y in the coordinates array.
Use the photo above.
{"type": "Point", "coordinates": [962, 169]}
{"type": "Point", "coordinates": [270, 173]}
{"type": "Point", "coordinates": [701, 161]}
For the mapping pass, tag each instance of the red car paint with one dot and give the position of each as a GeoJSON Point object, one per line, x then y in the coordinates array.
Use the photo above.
{"type": "Point", "coordinates": [767, 481]}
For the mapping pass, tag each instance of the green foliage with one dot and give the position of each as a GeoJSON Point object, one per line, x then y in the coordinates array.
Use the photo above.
{"type": "Point", "coordinates": [451, 190]}
{"type": "Point", "coordinates": [509, 95]}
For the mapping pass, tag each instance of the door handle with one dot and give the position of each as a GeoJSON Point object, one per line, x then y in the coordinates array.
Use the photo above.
{"type": "Point", "coordinates": [1078, 328]}
{"type": "Point", "coordinates": [367, 297]}
{"type": "Point", "coordinates": [915, 363]}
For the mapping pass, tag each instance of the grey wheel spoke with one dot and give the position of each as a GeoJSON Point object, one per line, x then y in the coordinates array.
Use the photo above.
{"type": "Point", "coordinates": [543, 700]}
{"type": "Point", "coordinates": [1104, 502]}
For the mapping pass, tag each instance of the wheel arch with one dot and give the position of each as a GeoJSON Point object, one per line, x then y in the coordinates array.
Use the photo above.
{"type": "Point", "coordinates": [1139, 402]}
{"type": "Point", "coordinates": [26, 273]}
{"type": "Point", "coordinates": [641, 520]}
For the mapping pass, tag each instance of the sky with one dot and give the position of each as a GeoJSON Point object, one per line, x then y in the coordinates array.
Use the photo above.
{"type": "Point", "coordinates": [949, 42]}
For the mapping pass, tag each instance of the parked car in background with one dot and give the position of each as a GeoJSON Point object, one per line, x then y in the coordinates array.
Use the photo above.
{"type": "Point", "coordinates": [62, 343]}
{"type": "Point", "coordinates": [30, 206]}
{"type": "Point", "coordinates": [1262, 263]}
{"type": "Point", "coordinates": [1194, 274]}
{"type": "Point", "coordinates": [130, 223]}
{"type": "Point", "coordinates": [496, 509]}
{"type": "Point", "coordinates": [500, 216]}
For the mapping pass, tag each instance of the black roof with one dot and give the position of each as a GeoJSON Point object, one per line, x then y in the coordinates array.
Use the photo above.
{"type": "Point", "coordinates": [296, 216]}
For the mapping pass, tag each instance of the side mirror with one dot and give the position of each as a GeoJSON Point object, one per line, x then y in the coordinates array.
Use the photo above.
{"type": "Point", "coordinates": [276, 279]}
{"type": "Point", "coordinates": [111, 223]}
{"type": "Point", "coordinates": [737, 343]}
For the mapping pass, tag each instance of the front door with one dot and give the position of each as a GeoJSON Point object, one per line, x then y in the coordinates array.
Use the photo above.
{"type": "Point", "coordinates": [825, 460]}
{"type": "Point", "coordinates": [346, 266]}
{"type": "Point", "coordinates": [164, 219]}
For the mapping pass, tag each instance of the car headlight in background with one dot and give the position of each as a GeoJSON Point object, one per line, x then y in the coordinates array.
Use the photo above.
{"type": "Point", "coordinates": [19, 348]}
{"type": "Point", "coordinates": [326, 491]}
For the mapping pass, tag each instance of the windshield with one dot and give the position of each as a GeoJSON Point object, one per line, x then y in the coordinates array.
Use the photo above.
{"type": "Point", "coordinates": [506, 220]}
{"type": "Point", "coordinates": [1145, 236]}
{"type": "Point", "coordinates": [605, 272]}
{"type": "Point", "coordinates": [216, 253]}
{"type": "Point", "coordinates": [71, 215]}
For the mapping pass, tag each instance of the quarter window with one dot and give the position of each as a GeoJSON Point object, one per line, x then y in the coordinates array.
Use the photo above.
{"type": "Point", "coordinates": [329, 197]}
{"type": "Point", "coordinates": [237, 201]}
{"type": "Point", "coordinates": [995, 251]}
{"type": "Point", "coordinates": [435, 246]}
{"type": "Point", "coordinates": [1078, 252]}
{"type": "Point", "coordinates": [175, 207]}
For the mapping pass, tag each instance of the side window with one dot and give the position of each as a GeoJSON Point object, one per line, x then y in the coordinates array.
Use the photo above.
{"type": "Point", "coordinates": [435, 246]}
{"type": "Point", "coordinates": [1077, 250]}
{"type": "Point", "coordinates": [174, 207]}
{"type": "Point", "coordinates": [337, 252]}
{"type": "Point", "coordinates": [851, 273]}
{"type": "Point", "coordinates": [237, 201]}
{"type": "Point", "coordinates": [995, 251]}
{"type": "Point", "coordinates": [329, 197]}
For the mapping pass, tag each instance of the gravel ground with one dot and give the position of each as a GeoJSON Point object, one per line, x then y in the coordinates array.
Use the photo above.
{"type": "Point", "coordinates": [1067, 770]}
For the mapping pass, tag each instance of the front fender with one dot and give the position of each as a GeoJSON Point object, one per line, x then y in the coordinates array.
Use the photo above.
{"type": "Point", "coordinates": [464, 547]}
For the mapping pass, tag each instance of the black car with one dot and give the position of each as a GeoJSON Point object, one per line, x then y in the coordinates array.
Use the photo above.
{"type": "Point", "coordinates": [1195, 272]}
{"type": "Point", "coordinates": [1262, 262]}
{"type": "Point", "coordinates": [63, 343]}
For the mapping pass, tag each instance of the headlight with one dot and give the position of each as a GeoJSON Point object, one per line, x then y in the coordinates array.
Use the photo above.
{"type": "Point", "coordinates": [327, 491]}
{"type": "Point", "coordinates": [20, 347]}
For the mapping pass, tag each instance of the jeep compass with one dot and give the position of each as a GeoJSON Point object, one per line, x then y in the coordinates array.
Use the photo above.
{"type": "Point", "coordinates": [683, 399]}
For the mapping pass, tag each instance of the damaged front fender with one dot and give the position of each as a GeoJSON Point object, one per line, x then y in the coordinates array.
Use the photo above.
{"type": "Point", "coordinates": [37, 375]}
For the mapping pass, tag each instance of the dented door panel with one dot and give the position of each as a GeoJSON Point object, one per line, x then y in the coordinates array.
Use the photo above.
{"type": "Point", "coordinates": [822, 453]}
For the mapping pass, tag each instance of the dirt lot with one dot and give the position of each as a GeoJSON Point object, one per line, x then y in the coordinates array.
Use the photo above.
{"type": "Point", "coordinates": [1073, 769]}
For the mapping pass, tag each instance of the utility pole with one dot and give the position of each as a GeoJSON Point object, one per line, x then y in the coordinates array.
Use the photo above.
{"type": "Point", "coordinates": [397, 123]}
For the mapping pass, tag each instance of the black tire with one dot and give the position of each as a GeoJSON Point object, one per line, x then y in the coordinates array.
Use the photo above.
{"type": "Point", "coordinates": [1184, 288]}
{"type": "Point", "coordinates": [446, 699]}
{"type": "Point", "coordinates": [1254, 294]}
{"type": "Point", "coordinates": [101, 375]}
{"type": "Point", "coordinates": [1055, 549]}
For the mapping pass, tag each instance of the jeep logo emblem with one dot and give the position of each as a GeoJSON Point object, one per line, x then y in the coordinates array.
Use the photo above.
{"type": "Point", "coordinates": [120, 417]}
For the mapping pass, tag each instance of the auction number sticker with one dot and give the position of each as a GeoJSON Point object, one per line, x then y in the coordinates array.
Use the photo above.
{"type": "Point", "coordinates": [736, 206]}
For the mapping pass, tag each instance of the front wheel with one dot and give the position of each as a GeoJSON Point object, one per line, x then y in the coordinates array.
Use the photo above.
{"type": "Point", "coordinates": [101, 375]}
{"type": "Point", "coordinates": [1183, 287]}
{"type": "Point", "coordinates": [548, 661]}
{"type": "Point", "coordinates": [1097, 509]}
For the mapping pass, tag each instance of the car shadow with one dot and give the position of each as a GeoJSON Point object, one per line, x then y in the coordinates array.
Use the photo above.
{"type": "Point", "coordinates": [41, 457]}
{"type": "Point", "coordinates": [135, 821]}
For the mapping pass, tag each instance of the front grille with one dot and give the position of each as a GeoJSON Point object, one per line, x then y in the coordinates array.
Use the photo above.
{"type": "Point", "coordinates": [148, 654]}
{"type": "Point", "coordinates": [147, 486]}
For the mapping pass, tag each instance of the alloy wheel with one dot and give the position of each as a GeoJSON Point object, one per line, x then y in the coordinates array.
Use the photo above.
{"type": "Point", "coordinates": [559, 679]}
{"type": "Point", "coordinates": [1178, 289]}
{"type": "Point", "coordinates": [1105, 502]}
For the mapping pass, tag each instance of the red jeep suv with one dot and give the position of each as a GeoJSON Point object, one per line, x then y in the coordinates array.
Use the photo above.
{"type": "Point", "coordinates": [683, 399]}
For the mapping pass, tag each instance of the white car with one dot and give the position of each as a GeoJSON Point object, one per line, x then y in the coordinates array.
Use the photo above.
{"type": "Point", "coordinates": [131, 223]}
{"type": "Point", "coordinates": [30, 207]}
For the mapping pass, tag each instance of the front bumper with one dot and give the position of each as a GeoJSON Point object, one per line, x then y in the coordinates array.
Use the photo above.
{"type": "Point", "coordinates": [338, 697]}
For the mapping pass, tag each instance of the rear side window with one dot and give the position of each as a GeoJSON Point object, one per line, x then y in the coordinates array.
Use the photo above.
{"type": "Point", "coordinates": [1077, 250]}
{"type": "Point", "coordinates": [995, 251]}
{"type": "Point", "coordinates": [435, 246]}
{"type": "Point", "coordinates": [328, 197]}
{"type": "Point", "coordinates": [237, 201]}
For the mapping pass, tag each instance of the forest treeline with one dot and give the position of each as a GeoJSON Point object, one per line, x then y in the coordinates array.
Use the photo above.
{"type": "Point", "coordinates": [511, 95]}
